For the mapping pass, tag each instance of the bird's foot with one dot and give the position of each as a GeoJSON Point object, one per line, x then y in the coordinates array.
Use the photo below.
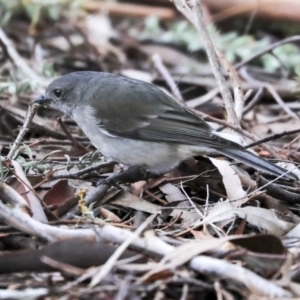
{"type": "Point", "coordinates": [131, 175]}
{"type": "Point", "coordinates": [109, 181]}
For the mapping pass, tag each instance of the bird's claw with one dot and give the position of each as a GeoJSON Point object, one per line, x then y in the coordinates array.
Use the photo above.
{"type": "Point", "coordinates": [109, 181]}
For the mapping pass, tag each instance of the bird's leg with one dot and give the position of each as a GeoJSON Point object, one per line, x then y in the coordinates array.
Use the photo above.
{"type": "Point", "coordinates": [131, 175]}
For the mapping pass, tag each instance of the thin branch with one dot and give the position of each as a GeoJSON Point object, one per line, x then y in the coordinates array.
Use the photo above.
{"type": "Point", "coordinates": [76, 175]}
{"type": "Point", "coordinates": [202, 99]}
{"type": "Point", "coordinates": [281, 102]}
{"type": "Point", "coordinates": [254, 100]}
{"type": "Point", "coordinates": [28, 120]}
{"type": "Point", "coordinates": [266, 50]}
{"type": "Point", "coordinates": [239, 98]}
{"type": "Point", "coordinates": [273, 137]}
{"type": "Point", "coordinates": [193, 12]}
{"type": "Point", "coordinates": [104, 270]}
{"type": "Point", "coordinates": [74, 142]}
{"type": "Point", "coordinates": [167, 76]}
{"type": "Point", "coordinates": [277, 192]}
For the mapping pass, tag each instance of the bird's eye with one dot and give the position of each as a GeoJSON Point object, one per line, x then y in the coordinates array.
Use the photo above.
{"type": "Point", "coordinates": [57, 93]}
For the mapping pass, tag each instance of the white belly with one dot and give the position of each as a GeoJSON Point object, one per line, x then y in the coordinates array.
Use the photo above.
{"type": "Point", "coordinates": [156, 157]}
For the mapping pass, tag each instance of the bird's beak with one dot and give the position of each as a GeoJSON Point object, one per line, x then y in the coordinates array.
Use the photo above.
{"type": "Point", "coordinates": [41, 100]}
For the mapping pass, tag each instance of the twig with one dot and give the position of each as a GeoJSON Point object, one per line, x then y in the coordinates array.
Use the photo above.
{"type": "Point", "coordinates": [270, 182]}
{"type": "Point", "coordinates": [266, 50]}
{"type": "Point", "coordinates": [255, 137]}
{"type": "Point", "coordinates": [40, 128]}
{"type": "Point", "coordinates": [18, 61]}
{"type": "Point", "coordinates": [111, 261]}
{"type": "Point", "coordinates": [61, 266]}
{"type": "Point", "coordinates": [28, 120]}
{"type": "Point", "coordinates": [251, 280]}
{"type": "Point", "coordinates": [248, 94]}
{"type": "Point", "coordinates": [254, 100]}
{"type": "Point", "coordinates": [239, 98]}
{"type": "Point", "coordinates": [284, 118]}
{"type": "Point", "coordinates": [129, 9]}
{"type": "Point", "coordinates": [161, 201]}
{"type": "Point", "coordinates": [167, 76]}
{"type": "Point", "coordinates": [272, 137]}
{"type": "Point", "coordinates": [31, 196]}
{"type": "Point", "coordinates": [75, 175]}
{"type": "Point", "coordinates": [292, 142]}
{"type": "Point", "coordinates": [277, 192]}
{"type": "Point", "coordinates": [202, 99]}
{"type": "Point", "coordinates": [280, 101]}
{"type": "Point", "coordinates": [75, 143]}
{"type": "Point", "coordinates": [209, 82]}
{"type": "Point", "coordinates": [193, 12]}
{"type": "Point", "coordinates": [251, 19]}
{"type": "Point", "coordinates": [8, 196]}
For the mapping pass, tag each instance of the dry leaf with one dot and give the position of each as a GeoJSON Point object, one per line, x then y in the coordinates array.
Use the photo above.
{"type": "Point", "coordinates": [260, 217]}
{"type": "Point", "coordinates": [231, 182]}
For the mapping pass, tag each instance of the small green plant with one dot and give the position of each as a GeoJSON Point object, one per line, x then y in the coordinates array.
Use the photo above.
{"type": "Point", "coordinates": [235, 47]}
{"type": "Point", "coordinates": [34, 9]}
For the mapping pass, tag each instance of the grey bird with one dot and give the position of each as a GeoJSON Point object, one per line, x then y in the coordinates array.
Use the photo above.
{"type": "Point", "coordinates": [137, 124]}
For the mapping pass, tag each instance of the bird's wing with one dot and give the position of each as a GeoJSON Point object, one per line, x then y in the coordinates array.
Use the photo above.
{"type": "Point", "coordinates": [155, 117]}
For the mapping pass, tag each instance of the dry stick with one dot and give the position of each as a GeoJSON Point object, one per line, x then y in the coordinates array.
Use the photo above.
{"type": "Point", "coordinates": [281, 102]}
{"type": "Point", "coordinates": [272, 152]}
{"type": "Point", "coordinates": [277, 192]}
{"type": "Point", "coordinates": [246, 96]}
{"type": "Point", "coordinates": [202, 264]}
{"type": "Point", "coordinates": [104, 270]}
{"type": "Point", "coordinates": [239, 98]}
{"type": "Point", "coordinates": [129, 9]}
{"type": "Point", "coordinates": [266, 50]}
{"type": "Point", "coordinates": [273, 137]}
{"type": "Point", "coordinates": [60, 266]}
{"type": "Point", "coordinates": [254, 100]}
{"type": "Point", "coordinates": [251, 20]}
{"type": "Point", "coordinates": [40, 128]}
{"type": "Point", "coordinates": [28, 120]}
{"type": "Point", "coordinates": [167, 76]}
{"type": "Point", "coordinates": [18, 61]}
{"type": "Point", "coordinates": [202, 99]}
{"type": "Point", "coordinates": [75, 175]}
{"type": "Point", "coordinates": [292, 142]}
{"type": "Point", "coordinates": [193, 12]}
{"type": "Point", "coordinates": [75, 143]}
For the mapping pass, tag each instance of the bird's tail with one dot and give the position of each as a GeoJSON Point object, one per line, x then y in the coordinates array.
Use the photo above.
{"type": "Point", "coordinates": [256, 162]}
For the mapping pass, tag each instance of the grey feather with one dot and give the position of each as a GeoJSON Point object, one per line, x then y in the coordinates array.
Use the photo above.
{"type": "Point", "coordinates": [129, 112]}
